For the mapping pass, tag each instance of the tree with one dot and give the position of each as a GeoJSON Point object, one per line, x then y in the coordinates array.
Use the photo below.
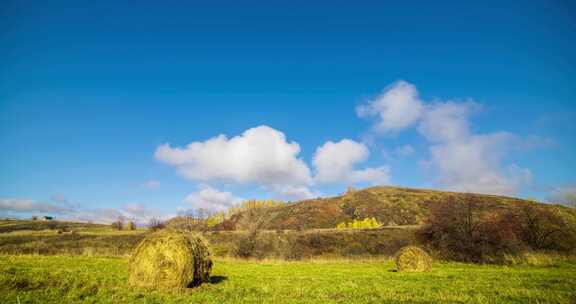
{"type": "Point", "coordinates": [367, 223]}
{"type": "Point", "coordinates": [131, 225]}
{"type": "Point", "coordinates": [255, 216]}
{"type": "Point", "coordinates": [155, 224]}
{"type": "Point", "coordinates": [542, 228]}
{"type": "Point", "coordinates": [118, 224]}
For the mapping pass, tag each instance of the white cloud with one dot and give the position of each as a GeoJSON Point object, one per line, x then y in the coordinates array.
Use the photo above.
{"type": "Point", "coordinates": [212, 199]}
{"type": "Point", "coordinates": [30, 206]}
{"type": "Point", "coordinates": [260, 155]}
{"type": "Point", "coordinates": [475, 164]}
{"type": "Point", "coordinates": [66, 211]}
{"type": "Point", "coordinates": [464, 161]}
{"type": "Point", "coordinates": [397, 108]}
{"type": "Point", "coordinates": [447, 121]}
{"type": "Point", "coordinates": [136, 212]}
{"type": "Point", "coordinates": [334, 163]}
{"type": "Point", "coordinates": [100, 216]}
{"type": "Point", "coordinates": [151, 184]}
{"type": "Point", "coordinates": [295, 193]}
{"type": "Point", "coordinates": [141, 214]}
{"type": "Point", "coordinates": [460, 160]}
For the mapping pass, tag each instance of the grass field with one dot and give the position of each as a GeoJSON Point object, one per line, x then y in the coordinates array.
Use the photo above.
{"type": "Point", "coordinates": [77, 279]}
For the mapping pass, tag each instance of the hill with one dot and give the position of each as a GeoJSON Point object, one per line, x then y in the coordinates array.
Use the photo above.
{"type": "Point", "coordinates": [391, 206]}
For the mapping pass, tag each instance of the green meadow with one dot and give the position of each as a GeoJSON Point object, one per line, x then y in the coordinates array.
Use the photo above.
{"type": "Point", "coordinates": [81, 279]}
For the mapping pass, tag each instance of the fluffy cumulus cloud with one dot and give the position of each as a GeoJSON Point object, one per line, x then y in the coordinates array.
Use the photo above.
{"type": "Point", "coordinates": [459, 159]}
{"type": "Point", "coordinates": [397, 108]}
{"type": "Point", "coordinates": [464, 161]}
{"type": "Point", "coordinates": [263, 156]}
{"type": "Point", "coordinates": [335, 163]}
{"type": "Point", "coordinates": [211, 199]}
{"type": "Point", "coordinates": [447, 121]}
{"type": "Point", "coordinates": [260, 155]}
{"type": "Point", "coordinates": [475, 164]}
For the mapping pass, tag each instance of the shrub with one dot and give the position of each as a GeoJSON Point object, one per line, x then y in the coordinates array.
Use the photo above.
{"type": "Point", "coordinates": [367, 223]}
{"type": "Point", "coordinates": [131, 225]}
{"type": "Point", "coordinates": [464, 231]}
{"type": "Point", "coordinates": [413, 259]}
{"type": "Point", "coordinates": [542, 228]}
{"type": "Point", "coordinates": [170, 259]}
{"type": "Point", "coordinates": [460, 231]}
{"type": "Point", "coordinates": [245, 246]}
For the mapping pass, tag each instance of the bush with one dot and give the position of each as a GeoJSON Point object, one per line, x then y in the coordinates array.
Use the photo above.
{"type": "Point", "coordinates": [464, 231]}
{"type": "Point", "coordinates": [367, 223]}
{"type": "Point", "coordinates": [460, 231]}
{"type": "Point", "coordinates": [131, 225]}
{"type": "Point", "coordinates": [413, 259]}
{"type": "Point", "coordinates": [245, 246]}
{"type": "Point", "coordinates": [170, 259]}
{"type": "Point", "coordinates": [542, 228]}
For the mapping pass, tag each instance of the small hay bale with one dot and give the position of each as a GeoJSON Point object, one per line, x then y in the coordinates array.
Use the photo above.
{"type": "Point", "coordinates": [170, 259]}
{"type": "Point", "coordinates": [413, 259]}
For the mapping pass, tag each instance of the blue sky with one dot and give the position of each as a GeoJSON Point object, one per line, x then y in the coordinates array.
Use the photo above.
{"type": "Point", "coordinates": [407, 94]}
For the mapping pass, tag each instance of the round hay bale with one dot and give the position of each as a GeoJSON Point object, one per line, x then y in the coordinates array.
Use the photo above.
{"type": "Point", "coordinates": [170, 259]}
{"type": "Point", "coordinates": [413, 259]}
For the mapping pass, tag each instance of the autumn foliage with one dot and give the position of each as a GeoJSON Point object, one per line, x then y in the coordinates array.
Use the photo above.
{"type": "Point", "coordinates": [465, 230]}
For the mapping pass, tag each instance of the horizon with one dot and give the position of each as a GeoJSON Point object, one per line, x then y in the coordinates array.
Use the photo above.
{"type": "Point", "coordinates": [110, 109]}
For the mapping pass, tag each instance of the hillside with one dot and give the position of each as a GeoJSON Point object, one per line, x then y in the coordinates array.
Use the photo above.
{"type": "Point", "coordinates": [392, 206]}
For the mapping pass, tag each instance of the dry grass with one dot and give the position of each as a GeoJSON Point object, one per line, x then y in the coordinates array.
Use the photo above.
{"type": "Point", "coordinates": [413, 259]}
{"type": "Point", "coordinates": [543, 259]}
{"type": "Point", "coordinates": [170, 259]}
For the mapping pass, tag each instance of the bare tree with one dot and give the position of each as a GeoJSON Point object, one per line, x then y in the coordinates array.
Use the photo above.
{"type": "Point", "coordinates": [118, 224]}
{"type": "Point", "coordinates": [156, 224]}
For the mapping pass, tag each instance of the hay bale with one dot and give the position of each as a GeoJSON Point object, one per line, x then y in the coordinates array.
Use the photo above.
{"type": "Point", "coordinates": [413, 259]}
{"type": "Point", "coordinates": [170, 259]}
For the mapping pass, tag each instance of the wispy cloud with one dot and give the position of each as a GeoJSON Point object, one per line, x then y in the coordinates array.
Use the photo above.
{"type": "Point", "coordinates": [31, 206]}
{"type": "Point", "coordinates": [151, 184]}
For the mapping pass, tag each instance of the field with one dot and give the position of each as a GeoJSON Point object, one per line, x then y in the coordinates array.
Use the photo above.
{"type": "Point", "coordinates": [34, 237]}
{"type": "Point", "coordinates": [78, 279]}
{"type": "Point", "coordinates": [61, 262]}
